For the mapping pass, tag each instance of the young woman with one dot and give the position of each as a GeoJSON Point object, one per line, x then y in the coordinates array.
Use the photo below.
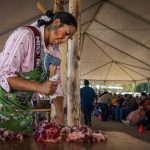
{"type": "Point", "coordinates": [22, 59]}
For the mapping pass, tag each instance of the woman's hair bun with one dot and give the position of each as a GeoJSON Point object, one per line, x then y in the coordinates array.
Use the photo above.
{"type": "Point", "coordinates": [41, 22]}
{"type": "Point", "coordinates": [49, 14]}
{"type": "Point", "coordinates": [46, 19]}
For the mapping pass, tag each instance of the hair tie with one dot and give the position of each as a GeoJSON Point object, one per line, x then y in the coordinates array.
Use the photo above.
{"type": "Point", "coordinates": [46, 19]}
{"type": "Point", "coordinates": [55, 16]}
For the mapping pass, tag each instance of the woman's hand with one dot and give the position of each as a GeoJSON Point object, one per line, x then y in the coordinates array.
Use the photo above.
{"type": "Point", "coordinates": [47, 88]}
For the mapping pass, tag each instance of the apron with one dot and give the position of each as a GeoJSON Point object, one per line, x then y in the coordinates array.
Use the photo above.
{"type": "Point", "coordinates": [17, 107]}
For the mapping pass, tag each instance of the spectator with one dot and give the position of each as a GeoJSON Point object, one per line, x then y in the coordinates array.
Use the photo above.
{"type": "Point", "coordinates": [87, 99]}
{"type": "Point", "coordinates": [104, 102]}
{"type": "Point", "coordinates": [129, 105]}
{"type": "Point", "coordinates": [140, 115]}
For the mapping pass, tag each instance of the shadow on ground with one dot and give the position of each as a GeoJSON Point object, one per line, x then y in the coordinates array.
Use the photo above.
{"type": "Point", "coordinates": [120, 127]}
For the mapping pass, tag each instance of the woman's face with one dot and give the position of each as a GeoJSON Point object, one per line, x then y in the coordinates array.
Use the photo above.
{"type": "Point", "coordinates": [60, 34]}
{"type": "Point", "coordinates": [143, 97]}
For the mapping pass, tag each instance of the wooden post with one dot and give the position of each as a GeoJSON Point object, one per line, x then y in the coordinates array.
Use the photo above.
{"type": "Point", "coordinates": [41, 8]}
{"type": "Point", "coordinates": [73, 70]}
{"type": "Point", "coordinates": [58, 6]}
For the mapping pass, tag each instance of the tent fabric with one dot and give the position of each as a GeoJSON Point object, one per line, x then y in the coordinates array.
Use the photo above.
{"type": "Point", "coordinates": [115, 36]}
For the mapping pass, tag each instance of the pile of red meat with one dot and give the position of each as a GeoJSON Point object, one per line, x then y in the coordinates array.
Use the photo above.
{"type": "Point", "coordinates": [48, 132]}
{"type": "Point", "coordinates": [7, 135]}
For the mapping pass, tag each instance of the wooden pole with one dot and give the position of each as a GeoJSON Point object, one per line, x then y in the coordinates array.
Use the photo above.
{"type": "Point", "coordinates": [73, 70]}
{"type": "Point", "coordinates": [41, 8]}
{"type": "Point", "coordinates": [58, 6]}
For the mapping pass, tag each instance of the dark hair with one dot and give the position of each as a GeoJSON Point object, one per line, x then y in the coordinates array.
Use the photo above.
{"type": "Point", "coordinates": [105, 92]}
{"type": "Point", "coordinates": [126, 95]}
{"type": "Point", "coordinates": [144, 94]}
{"type": "Point", "coordinates": [86, 82]}
{"type": "Point", "coordinates": [65, 18]}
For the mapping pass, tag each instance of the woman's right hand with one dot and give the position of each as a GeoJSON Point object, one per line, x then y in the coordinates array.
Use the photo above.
{"type": "Point", "coordinates": [47, 88]}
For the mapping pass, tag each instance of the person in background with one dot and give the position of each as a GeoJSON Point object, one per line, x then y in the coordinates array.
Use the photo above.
{"type": "Point", "coordinates": [143, 98]}
{"type": "Point", "coordinates": [140, 115]}
{"type": "Point", "coordinates": [104, 102]}
{"type": "Point", "coordinates": [113, 106]}
{"type": "Point", "coordinates": [129, 105]}
{"type": "Point", "coordinates": [145, 120]}
{"type": "Point", "coordinates": [149, 96]}
{"type": "Point", "coordinates": [88, 96]}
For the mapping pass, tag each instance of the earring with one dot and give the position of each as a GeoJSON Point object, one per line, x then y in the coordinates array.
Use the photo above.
{"type": "Point", "coordinates": [54, 27]}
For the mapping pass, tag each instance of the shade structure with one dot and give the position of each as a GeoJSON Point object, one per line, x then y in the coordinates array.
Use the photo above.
{"type": "Point", "coordinates": [115, 36]}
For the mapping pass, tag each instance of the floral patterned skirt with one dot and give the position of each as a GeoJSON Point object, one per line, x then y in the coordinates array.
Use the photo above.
{"type": "Point", "coordinates": [16, 106]}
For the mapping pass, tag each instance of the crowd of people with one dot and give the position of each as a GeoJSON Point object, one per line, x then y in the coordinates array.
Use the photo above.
{"type": "Point", "coordinates": [130, 110]}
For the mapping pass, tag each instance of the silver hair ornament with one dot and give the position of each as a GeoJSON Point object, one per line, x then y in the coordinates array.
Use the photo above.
{"type": "Point", "coordinates": [45, 18]}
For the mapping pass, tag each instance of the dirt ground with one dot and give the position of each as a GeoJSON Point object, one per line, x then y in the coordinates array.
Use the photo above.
{"type": "Point", "coordinates": [120, 137]}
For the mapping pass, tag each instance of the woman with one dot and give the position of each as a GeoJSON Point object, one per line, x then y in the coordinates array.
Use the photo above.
{"type": "Point", "coordinates": [21, 60]}
{"type": "Point", "coordinates": [135, 116]}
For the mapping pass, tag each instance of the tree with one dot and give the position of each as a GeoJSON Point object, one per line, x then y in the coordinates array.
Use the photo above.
{"type": "Point", "coordinates": [129, 87]}
{"type": "Point", "coordinates": [143, 87]}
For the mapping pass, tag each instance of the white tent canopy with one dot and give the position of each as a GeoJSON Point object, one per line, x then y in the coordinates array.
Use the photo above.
{"type": "Point", "coordinates": [115, 35]}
